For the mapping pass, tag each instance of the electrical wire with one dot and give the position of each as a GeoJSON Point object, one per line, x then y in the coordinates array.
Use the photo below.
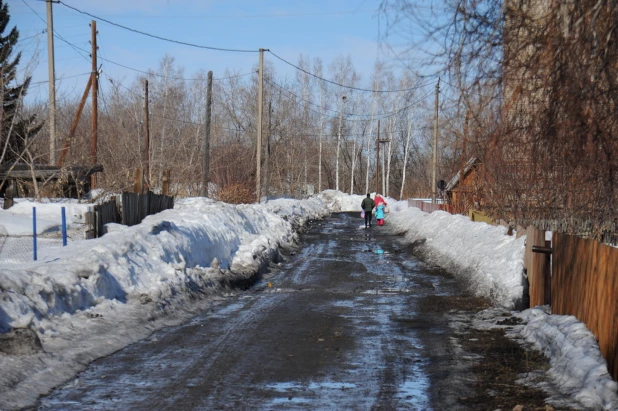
{"type": "Point", "coordinates": [239, 51]}
{"type": "Point", "coordinates": [58, 79]}
{"type": "Point", "coordinates": [56, 34]}
{"type": "Point", "coordinates": [154, 35]}
{"type": "Point", "coordinates": [375, 117]}
{"type": "Point", "coordinates": [343, 85]}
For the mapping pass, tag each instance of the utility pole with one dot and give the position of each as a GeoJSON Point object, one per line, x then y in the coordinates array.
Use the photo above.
{"type": "Point", "coordinates": [339, 143]}
{"type": "Point", "coordinates": [463, 150]}
{"type": "Point", "coordinates": [95, 95]}
{"type": "Point", "coordinates": [378, 142]}
{"type": "Point", "coordinates": [258, 173]}
{"type": "Point", "coordinates": [204, 192]}
{"type": "Point", "coordinates": [147, 136]}
{"type": "Point", "coordinates": [435, 147]}
{"type": "Point", "coordinates": [267, 151]}
{"type": "Point", "coordinates": [52, 83]}
{"type": "Point", "coordinates": [378, 159]}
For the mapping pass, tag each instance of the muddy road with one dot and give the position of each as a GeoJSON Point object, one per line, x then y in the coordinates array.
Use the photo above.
{"type": "Point", "coordinates": [351, 320]}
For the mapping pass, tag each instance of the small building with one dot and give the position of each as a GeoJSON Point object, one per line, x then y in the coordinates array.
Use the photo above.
{"type": "Point", "coordinates": [72, 181]}
{"type": "Point", "coordinates": [467, 193]}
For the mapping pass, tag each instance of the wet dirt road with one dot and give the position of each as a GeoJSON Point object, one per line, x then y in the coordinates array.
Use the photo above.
{"type": "Point", "coordinates": [342, 327]}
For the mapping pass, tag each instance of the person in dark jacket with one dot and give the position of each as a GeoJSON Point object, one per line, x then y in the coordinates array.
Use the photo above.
{"type": "Point", "coordinates": [367, 206]}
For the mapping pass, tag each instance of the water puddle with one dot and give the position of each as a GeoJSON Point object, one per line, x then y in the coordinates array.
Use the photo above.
{"type": "Point", "coordinates": [414, 391]}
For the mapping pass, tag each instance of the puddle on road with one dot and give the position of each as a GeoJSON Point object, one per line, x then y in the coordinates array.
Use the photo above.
{"type": "Point", "coordinates": [297, 393]}
{"type": "Point", "coordinates": [414, 391]}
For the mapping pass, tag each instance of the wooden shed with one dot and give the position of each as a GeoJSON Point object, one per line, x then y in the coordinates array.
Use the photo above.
{"type": "Point", "coordinates": [465, 193]}
{"type": "Point", "coordinates": [71, 181]}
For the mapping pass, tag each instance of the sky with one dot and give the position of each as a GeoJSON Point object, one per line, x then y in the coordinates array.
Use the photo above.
{"type": "Point", "coordinates": [88, 299]}
{"type": "Point", "coordinates": [320, 28]}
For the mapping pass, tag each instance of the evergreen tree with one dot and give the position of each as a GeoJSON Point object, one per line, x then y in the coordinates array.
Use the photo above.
{"type": "Point", "coordinates": [14, 129]}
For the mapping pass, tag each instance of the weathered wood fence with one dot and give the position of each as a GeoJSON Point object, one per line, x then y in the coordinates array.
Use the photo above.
{"type": "Point", "coordinates": [106, 213]}
{"type": "Point", "coordinates": [579, 278]}
{"type": "Point", "coordinates": [135, 207]}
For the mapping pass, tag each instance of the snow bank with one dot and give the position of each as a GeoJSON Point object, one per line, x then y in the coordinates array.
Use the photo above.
{"type": "Point", "coordinates": [487, 259]}
{"type": "Point", "coordinates": [337, 201]}
{"type": "Point", "coordinates": [160, 257]}
{"type": "Point", "coordinates": [97, 296]}
{"type": "Point", "coordinates": [577, 366]}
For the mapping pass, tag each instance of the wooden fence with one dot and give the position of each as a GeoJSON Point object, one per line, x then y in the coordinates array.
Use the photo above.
{"type": "Point", "coordinates": [136, 207]}
{"type": "Point", "coordinates": [579, 278]}
{"type": "Point", "coordinates": [106, 213]}
{"type": "Point", "coordinates": [585, 284]}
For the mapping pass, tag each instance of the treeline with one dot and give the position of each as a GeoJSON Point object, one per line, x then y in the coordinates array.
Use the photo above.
{"type": "Point", "coordinates": [318, 135]}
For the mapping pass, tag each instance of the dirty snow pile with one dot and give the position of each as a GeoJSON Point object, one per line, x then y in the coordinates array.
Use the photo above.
{"type": "Point", "coordinates": [491, 263]}
{"type": "Point", "coordinates": [577, 365]}
{"type": "Point", "coordinates": [93, 297]}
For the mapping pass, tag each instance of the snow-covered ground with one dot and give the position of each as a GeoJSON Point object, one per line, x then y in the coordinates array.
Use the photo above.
{"type": "Point", "coordinates": [93, 297]}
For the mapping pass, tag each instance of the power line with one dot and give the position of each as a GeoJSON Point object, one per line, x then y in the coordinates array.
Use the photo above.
{"type": "Point", "coordinates": [375, 117]}
{"type": "Point", "coordinates": [154, 35]}
{"type": "Point", "coordinates": [36, 83]}
{"type": "Point", "coordinates": [55, 33]}
{"type": "Point", "coordinates": [343, 85]}
{"type": "Point", "coordinates": [234, 50]}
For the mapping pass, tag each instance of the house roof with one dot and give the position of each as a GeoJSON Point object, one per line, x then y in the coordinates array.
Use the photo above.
{"type": "Point", "coordinates": [455, 180]}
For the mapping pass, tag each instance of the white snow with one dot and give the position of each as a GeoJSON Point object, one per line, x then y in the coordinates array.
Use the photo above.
{"type": "Point", "coordinates": [93, 297]}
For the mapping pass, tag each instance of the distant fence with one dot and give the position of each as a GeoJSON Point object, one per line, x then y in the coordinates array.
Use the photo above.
{"type": "Point", "coordinates": [578, 278]}
{"type": "Point", "coordinates": [427, 207]}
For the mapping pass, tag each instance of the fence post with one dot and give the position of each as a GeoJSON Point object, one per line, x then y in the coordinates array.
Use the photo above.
{"type": "Point", "coordinates": [34, 232]}
{"type": "Point", "coordinates": [64, 227]}
{"type": "Point", "coordinates": [165, 186]}
{"type": "Point", "coordinates": [138, 181]}
{"type": "Point", "coordinates": [89, 222]}
{"type": "Point", "coordinates": [536, 266]}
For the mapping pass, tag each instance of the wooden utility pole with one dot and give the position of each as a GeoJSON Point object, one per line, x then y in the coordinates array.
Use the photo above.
{"type": "Point", "coordinates": [339, 142]}
{"type": "Point", "coordinates": [204, 191]}
{"type": "Point", "coordinates": [95, 96]}
{"type": "Point", "coordinates": [434, 161]}
{"type": "Point", "coordinates": [147, 137]}
{"type": "Point", "coordinates": [258, 173]}
{"type": "Point", "coordinates": [463, 151]}
{"type": "Point", "coordinates": [378, 142]}
{"type": "Point", "coordinates": [52, 83]}
{"type": "Point", "coordinates": [80, 108]}
{"type": "Point", "coordinates": [378, 159]}
{"type": "Point", "coordinates": [267, 151]}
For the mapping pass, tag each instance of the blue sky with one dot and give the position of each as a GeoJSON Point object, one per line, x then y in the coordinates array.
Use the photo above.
{"type": "Point", "coordinates": [317, 28]}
